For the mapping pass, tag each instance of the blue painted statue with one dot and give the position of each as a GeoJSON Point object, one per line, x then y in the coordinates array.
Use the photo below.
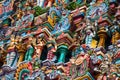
{"type": "Point", "coordinates": [63, 23]}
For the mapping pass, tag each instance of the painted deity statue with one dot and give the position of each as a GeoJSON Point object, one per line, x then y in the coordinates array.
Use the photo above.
{"type": "Point", "coordinates": [79, 49]}
{"type": "Point", "coordinates": [18, 22]}
{"type": "Point", "coordinates": [51, 45]}
{"type": "Point", "coordinates": [30, 50]}
{"type": "Point", "coordinates": [89, 34]}
{"type": "Point", "coordinates": [27, 18]}
{"type": "Point", "coordinates": [12, 55]}
{"type": "Point", "coordinates": [97, 8]}
{"type": "Point", "coordinates": [39, 46]}
{"type": "Point", "coordinates": [21, 47]}
{"type": "Point", "coordinates": [63, 23]}
{"type": "Point", "coordinates": [54, 14]}
{"type": "Point", "coordinates": [6, 7]}
{"type": "Point", "coordinates": [79, 65]}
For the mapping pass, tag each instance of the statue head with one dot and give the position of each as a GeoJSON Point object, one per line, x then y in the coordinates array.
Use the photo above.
{"type": "Point", "coordinates": [12, 38]}
{"type": "Point", "coordinates": [40, 38]}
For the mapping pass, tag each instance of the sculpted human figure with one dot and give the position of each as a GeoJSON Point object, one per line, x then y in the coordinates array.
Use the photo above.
{"type": "Point", "coordinates": [21, 48]}
{"type": "Point", "coordinates": [39, 46]}
{"type": "Point", "coordinates": [12, 55]}
{"type": "Point", "coordinates": [30, 50]}
{"type": "Point", "coordinates": [51, 49]}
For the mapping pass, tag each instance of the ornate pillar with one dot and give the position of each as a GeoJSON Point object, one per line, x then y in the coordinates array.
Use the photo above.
{"type": "Point", "coordinates": [62, 51]}
{"type": "Point", "coordinates": [102, 35]}
{"type": "Point", "coordinates": [63, 41]}
{"type": "Point", "coordinates": [104, 23]}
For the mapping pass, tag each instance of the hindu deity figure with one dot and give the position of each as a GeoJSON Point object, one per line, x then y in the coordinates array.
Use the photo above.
{"type": "Point", "coordinates": [30, 50]}
{"type": "Point", "coordinates": [18, 22]}
{"type": "Point", "coordinates": [79, 66]}
{"type": "Point", "coordinates": [21, 48]}
{"type": "Point", "coordinates": [39, 46]}
{"type": "Point", "coordinates": [98, 8]}
{"type": "Point", "coordinates": [12, 55]}
{"type": "Point", "coordinates": [51, 45]}
{"type": "Point", "coordinates": [63, 23]}
{"type": "Point", "coordinates": [27, 18]}
{"type": "Point", "coordinates": [89, 34]}
{"type": "Point", "coordinates": [54, 14]}
{"type": "Point", "coordinates": [6, 7]}
{"type": "Point", "coordinates": [79, 49]}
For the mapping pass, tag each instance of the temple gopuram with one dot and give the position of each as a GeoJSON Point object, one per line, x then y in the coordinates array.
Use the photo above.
{"type": "Point", "coordinates": [59, 39]}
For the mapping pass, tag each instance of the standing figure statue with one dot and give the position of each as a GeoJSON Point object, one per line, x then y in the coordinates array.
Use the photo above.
{"type": "Point", "coordinates": [21, 47]}
{"type": "Point", "coordinates": [63, 23]}
{"type": "Point", "coordinates": [30, 50]}
{"type": "Point", "coordinates": [39, 46]}
{"type": "Point", "coordinates": [51, 45]}
{"type": "Point", "coordinates": [89, 34]}
{"type": "Point", "coordinates": [12, 55]}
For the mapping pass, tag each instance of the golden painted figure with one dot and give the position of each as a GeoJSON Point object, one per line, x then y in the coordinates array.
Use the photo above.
{"type": "Point", "coordinates": [21, 48]}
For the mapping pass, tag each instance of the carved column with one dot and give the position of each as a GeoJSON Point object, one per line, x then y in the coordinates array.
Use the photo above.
{"type": "Point", "coordinates": [102, 35]}
{"type": "Point", "coordinates": [64, 40]}
{"type": "Point", "coordinates": [62, 50]}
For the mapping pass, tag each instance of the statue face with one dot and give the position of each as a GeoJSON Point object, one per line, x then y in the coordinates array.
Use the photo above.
{"type": "Point", "coordinates": [12, 38]}
{"type": "Point", "coordinates": [30, 39]}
